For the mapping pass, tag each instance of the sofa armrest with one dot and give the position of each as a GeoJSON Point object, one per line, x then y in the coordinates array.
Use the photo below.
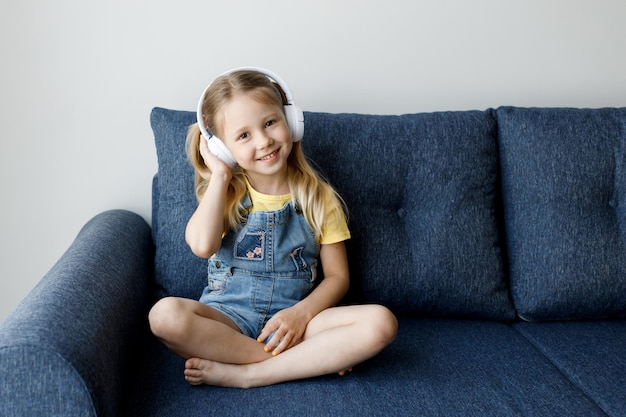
{"type": "Point", "coordinates": [65, 349]}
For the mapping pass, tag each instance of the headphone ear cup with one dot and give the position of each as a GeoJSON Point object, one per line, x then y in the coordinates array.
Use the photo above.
{"type": "Point", "coordinates": [217, 148]}
{"type": "Point", "coordinates": [295, 121]}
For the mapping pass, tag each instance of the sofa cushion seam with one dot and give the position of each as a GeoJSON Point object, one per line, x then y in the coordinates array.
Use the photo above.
{"type": "Point", "coordinates": [561, 371]}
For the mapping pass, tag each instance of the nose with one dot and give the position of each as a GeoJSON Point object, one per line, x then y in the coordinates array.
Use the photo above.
{"type": "Point", "coordinates": [263, 140]}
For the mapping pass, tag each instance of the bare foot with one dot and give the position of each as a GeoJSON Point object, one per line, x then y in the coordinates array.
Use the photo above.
{"type": "Point", "coordinates": [202, 371]}
{"type": "Point", "coordinates": [206, 372]}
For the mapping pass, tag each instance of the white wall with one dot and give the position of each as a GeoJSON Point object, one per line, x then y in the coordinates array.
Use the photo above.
{"type": "Point", "coordinates": [78, 79]}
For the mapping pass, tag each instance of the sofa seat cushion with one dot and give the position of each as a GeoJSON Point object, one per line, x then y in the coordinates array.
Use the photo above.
{"type": "Point", "coordinates": [592, 354]}
{"type": "Point", "coordinates": [436, 367]}
{"type": "Point", "coordinates": [421, 190]}
{"type": "Point", "coordinates": [564, 191]}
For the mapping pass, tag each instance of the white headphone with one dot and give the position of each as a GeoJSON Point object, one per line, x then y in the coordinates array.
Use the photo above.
{"type": "Point", "coordinates": [293, 115]}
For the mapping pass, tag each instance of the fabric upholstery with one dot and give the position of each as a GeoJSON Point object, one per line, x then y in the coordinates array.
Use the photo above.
{"type": "Point", "coordinates": [67, 348]}
{"type": "Point", "coordinates": [591, 354]}
{"type": "Point", "coordinates": [178, 272]}
{"type": "Point", "coordinates": [421, 190]}
{"type": "Point", "coordinates": [564, 182]}
{"type": "Point", "coordinates": [436, 367]}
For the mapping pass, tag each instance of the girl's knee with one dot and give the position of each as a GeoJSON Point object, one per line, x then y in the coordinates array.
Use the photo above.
{"type": "Point", "coordinates": [384, 323]}
{"type": "Point", "coordinates": [166, 318]}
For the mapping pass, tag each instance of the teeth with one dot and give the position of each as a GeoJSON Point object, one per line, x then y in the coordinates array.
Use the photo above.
{"type": "Point", "coordinates": [266, 157]}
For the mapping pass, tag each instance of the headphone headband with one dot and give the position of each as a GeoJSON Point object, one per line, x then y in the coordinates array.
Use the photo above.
{"type": "Point", "coordinates": [293, 114]}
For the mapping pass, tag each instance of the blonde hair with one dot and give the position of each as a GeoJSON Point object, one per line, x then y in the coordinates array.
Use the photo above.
{"type": "Point", "coordinates": [310, 192]}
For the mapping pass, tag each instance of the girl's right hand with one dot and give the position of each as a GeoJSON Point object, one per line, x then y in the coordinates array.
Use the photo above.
{"type": "Point", "coordinates": [204, 230]}
{"type": "Point", "coordinates": [215, 164]}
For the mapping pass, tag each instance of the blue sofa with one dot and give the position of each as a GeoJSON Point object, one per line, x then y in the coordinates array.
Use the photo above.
{"type": "Point", "coordinates": [498, 238]}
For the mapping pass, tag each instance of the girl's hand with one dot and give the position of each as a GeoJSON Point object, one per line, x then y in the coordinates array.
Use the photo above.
{"type": "Point", "coordinates": [288, 327]}
{"type": "Point", "coordinates": [205, 228]}
{"type": "Point", "coordinates": [215, 164]}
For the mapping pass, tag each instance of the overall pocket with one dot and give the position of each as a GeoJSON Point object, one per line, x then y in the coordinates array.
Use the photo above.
{"type": "Point", "coordinates": [250, 245]}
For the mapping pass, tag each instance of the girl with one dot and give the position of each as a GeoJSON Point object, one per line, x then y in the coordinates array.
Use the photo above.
{"type": "Point", "coordinates": [263, 318]}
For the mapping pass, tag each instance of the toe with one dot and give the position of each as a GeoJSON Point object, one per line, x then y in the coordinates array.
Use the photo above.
{"type": "Point", "coordinates": [192, 363]}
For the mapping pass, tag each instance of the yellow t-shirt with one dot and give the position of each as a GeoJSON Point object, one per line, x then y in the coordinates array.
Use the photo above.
{"type": "Point", "coordinates": [334, 230]}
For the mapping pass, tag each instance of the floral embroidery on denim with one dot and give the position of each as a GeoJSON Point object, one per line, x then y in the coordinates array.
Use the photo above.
{"type": "Point", "coordinates": [250, 246]}
{"type": "Point", "coordinates": [298, 259]}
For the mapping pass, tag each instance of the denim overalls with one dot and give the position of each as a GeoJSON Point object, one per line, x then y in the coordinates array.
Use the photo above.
{"type": "Point", "coordinates": [266, 265]}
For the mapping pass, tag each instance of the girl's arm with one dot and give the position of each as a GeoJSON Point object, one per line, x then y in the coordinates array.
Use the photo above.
{"type": "Point", "coordinates": [206, 226]}
{"type": "Point", "coordinates": [290, 323]}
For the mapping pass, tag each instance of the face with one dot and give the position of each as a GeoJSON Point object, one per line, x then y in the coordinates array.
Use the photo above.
{"type": "Point", "coordinates": [258, 137]}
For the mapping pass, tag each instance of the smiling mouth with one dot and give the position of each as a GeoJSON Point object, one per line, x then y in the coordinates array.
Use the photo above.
{"type": "Point", "coordinates": [269, 156]}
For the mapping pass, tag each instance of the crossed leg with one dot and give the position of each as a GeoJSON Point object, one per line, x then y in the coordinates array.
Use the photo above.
{"type": "Point", "coordinates": [335, 340]}
{"type": "Point", "coordinates": [194, 330]}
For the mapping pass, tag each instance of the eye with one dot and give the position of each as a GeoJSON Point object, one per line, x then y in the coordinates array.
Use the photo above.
{"type": "Point", "coordinates": [243, 136]}
{"type": "Point", "coordinates": [270, 123]}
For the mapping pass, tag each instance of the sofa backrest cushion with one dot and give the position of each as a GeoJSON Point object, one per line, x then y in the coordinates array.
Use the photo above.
{"type": "Point", "coordinates": [564, 185]}
{"type": "Point", "coordinates": [178, 272]}
{"type": "Point", "coordinates": [421, 190]}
